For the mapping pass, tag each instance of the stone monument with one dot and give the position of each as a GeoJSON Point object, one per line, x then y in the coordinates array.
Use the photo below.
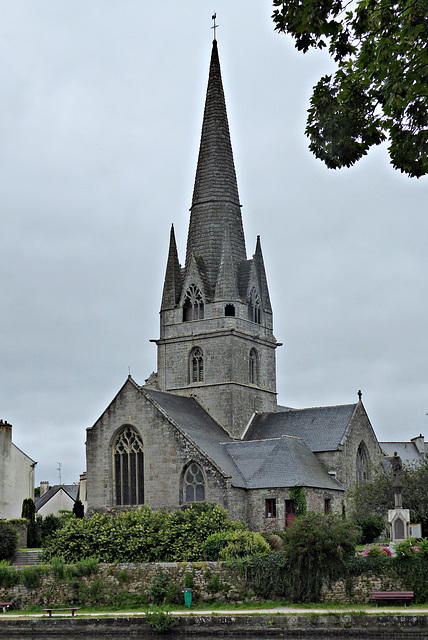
{"type": "Point", "coordinates": [398, 517]}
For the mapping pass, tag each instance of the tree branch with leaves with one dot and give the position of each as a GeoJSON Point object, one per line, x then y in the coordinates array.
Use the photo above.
{"type": "Point", "coordinates": [380, 89]}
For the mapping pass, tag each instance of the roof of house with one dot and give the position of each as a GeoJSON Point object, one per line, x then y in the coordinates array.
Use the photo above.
{"type": "Point", "coordinates": [408, 451]}
{"type": "Point", "coordinates": [70, 489]}
{"type": "Point", "coordinates": [321, 428]}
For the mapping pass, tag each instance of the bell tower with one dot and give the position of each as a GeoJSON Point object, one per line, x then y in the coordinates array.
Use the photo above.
{"type": "Point", "coordinates": [216, 332]}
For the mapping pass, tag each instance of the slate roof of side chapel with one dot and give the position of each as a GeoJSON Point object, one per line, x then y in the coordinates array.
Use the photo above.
{"type": "Point", "coordinates": [279, 462]}
{"type": "Point", "coordinates": [321, 428]}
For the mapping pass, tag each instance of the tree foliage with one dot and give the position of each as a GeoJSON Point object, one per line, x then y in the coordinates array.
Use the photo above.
{"type": "Point", "coordinates": [376, 496]}
{"type": "Point", "coordinates": [141, 535]}
{"type": "Point", "coordinates": [29, 512]}
{"type": "Point", "coordinates": [8, 541]}
{"type": "Point", "coordinates": [380, 88]}
{"type": "Point", "coordinates": [78, 509]}
{"type": "Point", "coordinates": [316, 547]}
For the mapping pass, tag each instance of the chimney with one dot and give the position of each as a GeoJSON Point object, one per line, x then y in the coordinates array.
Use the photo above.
{"type": "Point", "coordinates": [44, 487]}
{"type": "Point", "coordinates": [419, 443]}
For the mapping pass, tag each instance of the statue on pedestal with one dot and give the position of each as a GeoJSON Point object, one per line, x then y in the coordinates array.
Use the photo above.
{"type": "Point", "coordinates": [397, 467]}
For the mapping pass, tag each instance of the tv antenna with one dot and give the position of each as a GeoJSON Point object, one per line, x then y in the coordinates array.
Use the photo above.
{"type": "Point", "coordinates": [59, 471]}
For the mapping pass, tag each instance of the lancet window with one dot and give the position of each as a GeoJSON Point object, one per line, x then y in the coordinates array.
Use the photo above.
{"type": "Point", "coordinates": [193, 306]}
{"type": "Point", "coordinates": [253, 367]}
{"type": "Point", "coordinates": [128, 466]}
{"type": "Point", "coordinates": [362, 464]}
{"type": "Point", "coordinates": [194, 484]}
{"type": "Point", "coordinates": [196, 365]}
{"type": "Point", "coordinates": [254, 313]}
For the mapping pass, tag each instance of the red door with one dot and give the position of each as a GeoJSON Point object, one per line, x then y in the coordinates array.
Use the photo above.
{"type": "Point", "coordinates": [290, 513]}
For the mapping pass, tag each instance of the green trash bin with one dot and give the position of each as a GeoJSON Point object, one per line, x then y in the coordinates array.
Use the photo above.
{"type": "Point", "coordinates": [188, 597]}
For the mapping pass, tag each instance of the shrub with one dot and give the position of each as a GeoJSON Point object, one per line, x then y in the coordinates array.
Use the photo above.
{"type": "Point", "coordinates": [29, 513]}
{"type": "Point", "coordinates": [406, 547]}
{"type": "Point", "coordinates": [78, 509]}
{"type": "Point", "coordinates": [30, 577]}
{"type": "Point", "coordinates": [9, 576]}
{"type": "Point", "coordinates": [159, 587]}
{"type": "Point", "coordinates": [159, 619]}
{"type": "Point", "coordinates": [241, 544]}
{"type": "Point", "coordinates": [58, 567]}
{"type": "Point", "coordinates": [140, 535]}
{"type": "Point", "coordinates": [315, 548]}
{"type": "Point", "coordinates": [376, 550]}
{"type": "Point", "coordinates": [8, 541]}
{"type": "Point", "coordinates": [372, 526]}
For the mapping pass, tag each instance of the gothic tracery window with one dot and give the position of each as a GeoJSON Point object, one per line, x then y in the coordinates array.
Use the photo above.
{"type": "Point", "coordinates": [194, 484]}
{"type": "Point", "coordinates": [253, 367]}
{"type": "Point", "coordinates": [362, 463]}
{"type": "Point", "coordinates": [196, 365]}
{"type": "Point", "coordinates": [193, 306]}
{"type": "Point", "coordinates": [128, 458]}
{"type": "Point", "coordinates": [254, 313]}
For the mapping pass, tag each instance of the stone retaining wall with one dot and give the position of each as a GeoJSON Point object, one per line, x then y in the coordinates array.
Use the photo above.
{"type": "Point", "coordinates": [275, 626]}
{"type": "Point", "coordinates": [210, 582]}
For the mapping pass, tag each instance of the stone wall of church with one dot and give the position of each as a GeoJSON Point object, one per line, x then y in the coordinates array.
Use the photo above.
{"type": "Point", "coordinates": [226, 391]}
{"type": "Point", "coordinates": [344, 461]}
{"type": "Point", "coordinates": [315, 500]}
{"type": "Point", "coordinates": [166, 454]}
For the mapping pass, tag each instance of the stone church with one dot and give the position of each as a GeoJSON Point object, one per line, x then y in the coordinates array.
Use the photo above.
{"type": "Point", "coordinates": [207, 425]}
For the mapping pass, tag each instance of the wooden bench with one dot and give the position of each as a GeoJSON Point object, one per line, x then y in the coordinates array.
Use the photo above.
{"type": "Point", "coordinates": [392, 595]}
{"type": "Point", "coordinates": [5, 606]}
{"type": "Point", "coordinates": [72, 609]}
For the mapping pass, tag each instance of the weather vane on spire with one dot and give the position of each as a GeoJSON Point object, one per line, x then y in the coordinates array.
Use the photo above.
{"type": "Point", "coordinates": [214, 16]}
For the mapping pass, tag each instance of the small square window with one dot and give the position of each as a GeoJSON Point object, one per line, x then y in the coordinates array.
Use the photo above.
{"type": "Point", "coordinates": [270, 508]}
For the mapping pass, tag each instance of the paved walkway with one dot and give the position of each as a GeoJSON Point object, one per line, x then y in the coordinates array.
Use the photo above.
{"type": "Point", "coordinates": [401, 610]}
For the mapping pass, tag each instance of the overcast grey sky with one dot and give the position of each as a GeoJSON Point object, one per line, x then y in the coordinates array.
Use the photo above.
{"type": "Point", "coordinates": [101, 107]}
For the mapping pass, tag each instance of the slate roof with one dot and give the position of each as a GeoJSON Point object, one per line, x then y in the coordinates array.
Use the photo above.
{"type": "Point", "coordinates": [277, 462]}
{"type": "Point", "coordinates": [188, 414]}
{"type": "Point", "coordinates": [321, 428]}
{"type": "Point", "coordinates": [407, 451]}
{"type": "Point", "coordinates": [280, 462]}
{"type": "Point", "coordinates": [71, 489]}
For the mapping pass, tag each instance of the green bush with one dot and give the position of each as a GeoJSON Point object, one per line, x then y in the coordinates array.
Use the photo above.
{"type": "Point", "coordinates": [140, 535]}
{"type": "Point", "coordinates": [58, 567]}
{"type": "Point", "coordinates": [8, 541]}
{"type": "Point", "coordinates": [9, 576]}
{"type": "Point", "coordinates": [31, 577]}
{"type": "Point", "coordinates": [163, 590]}
{"type": "Point", "coordinates": [230, 545]}
{"type": "Point", "coordinates": [86, 567]}
{"type": "Point", "coordinates": [160, 620]}
{"type": "Point", "coordinates": [371, 526]}
{"type": "Point", "coordinates": [29, 513]}
{"type": "Point", "coordinates": [315, 548]}
{"type": "Point", "coordinates": [241, 544]}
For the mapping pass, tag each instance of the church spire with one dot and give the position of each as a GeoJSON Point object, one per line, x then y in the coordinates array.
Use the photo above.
{"type": "Point", "coordinates": [215, 203]}
{"type": "Point", "coordinates": [173, 283]}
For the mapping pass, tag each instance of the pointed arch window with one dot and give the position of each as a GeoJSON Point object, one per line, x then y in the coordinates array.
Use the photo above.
{"type": "Point", "coordinates": [196, 365]}
{"type": "Point", "coordinates": [128, 467]}
{"type": "Point", "coordinates": [193, 306]}
{"type": "Point", "coordinates": [362, 463]}
{"type": "Point", "coordinates": [254, 313]}
{"type": "Point", "coordinates": [194, 484]}
{"type": "Point", "coordinates": [253, 373]}
{"type": "Point", "coordinates": [229, 310]}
